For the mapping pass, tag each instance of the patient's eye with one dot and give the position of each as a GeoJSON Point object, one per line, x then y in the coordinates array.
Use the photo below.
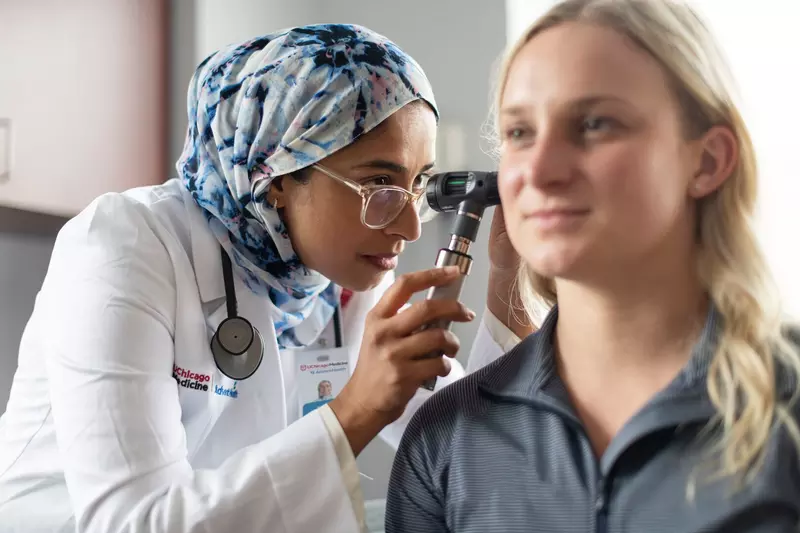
{"type": "Point", "coordinates": [595, 124]}
{"type": "Point", "coordinates": [517, 135]}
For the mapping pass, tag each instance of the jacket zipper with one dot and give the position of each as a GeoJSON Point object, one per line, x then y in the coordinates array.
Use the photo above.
{"type": "Point", "coordinates": [601, 506]}
{"type": "Point", "coordinates": [601, 494]}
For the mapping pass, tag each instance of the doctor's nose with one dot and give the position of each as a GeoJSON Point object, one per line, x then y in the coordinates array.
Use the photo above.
{"type": "Point", "coordinates": [407, 225]}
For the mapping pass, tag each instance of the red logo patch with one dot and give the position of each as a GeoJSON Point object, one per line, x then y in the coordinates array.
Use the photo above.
{"type": "Point", "coordinates": [346, 295]}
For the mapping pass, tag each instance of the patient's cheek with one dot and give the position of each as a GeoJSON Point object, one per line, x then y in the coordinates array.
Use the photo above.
{"type": "Point", "coordinates": [510, 180]}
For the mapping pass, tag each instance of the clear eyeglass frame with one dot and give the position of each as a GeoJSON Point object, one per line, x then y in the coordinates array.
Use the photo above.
{"type": "Point", "coordinates": [391, 195]}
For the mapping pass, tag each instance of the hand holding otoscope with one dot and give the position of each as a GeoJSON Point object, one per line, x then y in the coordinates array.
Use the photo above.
{"type": "Point", "coordinates": [468, 194]}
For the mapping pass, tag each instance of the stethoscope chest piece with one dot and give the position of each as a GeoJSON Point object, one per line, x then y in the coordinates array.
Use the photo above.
{"type": "Point", "coordinates": [237, 348]}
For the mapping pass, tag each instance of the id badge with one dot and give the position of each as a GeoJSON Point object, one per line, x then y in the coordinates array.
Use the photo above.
{"type": "Point", "coordinates": [321, 375]}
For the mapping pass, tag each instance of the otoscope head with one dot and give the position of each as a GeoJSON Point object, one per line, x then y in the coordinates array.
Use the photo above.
{"type": "Point", "coordinates": [446, 191]}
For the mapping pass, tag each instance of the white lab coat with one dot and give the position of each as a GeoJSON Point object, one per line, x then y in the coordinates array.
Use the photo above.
{"type": "Point", "coordinates": [99, 436]}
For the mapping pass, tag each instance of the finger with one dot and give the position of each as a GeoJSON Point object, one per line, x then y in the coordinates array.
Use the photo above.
{"type": "Point", "coordinates": [498, 219]}
{"type": "Point", "coordinates": [427, 312]}
{"type": "Point", "coordinates": [406, 285]}
{"type": "Point", "coordinates": [427, 369]}
{"type": "Point", "coordinates": [426, 344]}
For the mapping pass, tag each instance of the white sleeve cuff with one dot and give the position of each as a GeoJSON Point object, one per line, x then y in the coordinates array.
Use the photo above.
{"type": "Point", "coordinates": [504, 337]}
{"type": "Point", "coordinates": [347, 463]}
{"type": "Point", "coordinates": [492, 340]}
{"type": "Point", "coordinates": [303, 465]}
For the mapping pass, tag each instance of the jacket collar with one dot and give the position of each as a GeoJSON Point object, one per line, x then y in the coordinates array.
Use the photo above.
{"type": "Point", "coordinates": [529, 371]}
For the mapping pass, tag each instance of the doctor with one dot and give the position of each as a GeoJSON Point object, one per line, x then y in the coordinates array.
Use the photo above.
{"type": "Point", "coordinates": [162, 373]}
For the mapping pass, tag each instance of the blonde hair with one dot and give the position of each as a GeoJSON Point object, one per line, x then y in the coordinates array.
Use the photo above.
{"type": "Point", "coordinates": [752, 343]}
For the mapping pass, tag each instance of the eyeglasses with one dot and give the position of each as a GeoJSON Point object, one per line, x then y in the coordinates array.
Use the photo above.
{"type": "Point", "coordinates": [382, 204]}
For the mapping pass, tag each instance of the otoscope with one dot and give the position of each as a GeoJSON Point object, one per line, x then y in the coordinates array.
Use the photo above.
{"type": "Point", "coordinates": [468, 194]}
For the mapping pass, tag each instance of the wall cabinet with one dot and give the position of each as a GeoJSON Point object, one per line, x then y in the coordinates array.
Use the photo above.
{"type": "Point", "coordinates": [82, 100]}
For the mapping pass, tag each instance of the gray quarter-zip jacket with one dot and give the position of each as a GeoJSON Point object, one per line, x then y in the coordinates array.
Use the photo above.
{"type": "Point", "coordinates": [502, 450]}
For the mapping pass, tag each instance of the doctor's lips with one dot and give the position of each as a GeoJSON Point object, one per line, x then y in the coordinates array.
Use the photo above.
{"type": "Point", "coordinates": [381, 261]}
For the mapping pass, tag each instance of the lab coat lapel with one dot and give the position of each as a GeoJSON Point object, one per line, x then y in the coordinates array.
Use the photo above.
{"type": "Point", "coordinates": [252, 409]}
{"type": "Point", "coordinates": [256, 405]}
{"type": "Point", "coordinates": [265, 390]}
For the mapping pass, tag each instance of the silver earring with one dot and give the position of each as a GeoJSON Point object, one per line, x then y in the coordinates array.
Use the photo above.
{"type": "Point", "coordinates": [275, 204]}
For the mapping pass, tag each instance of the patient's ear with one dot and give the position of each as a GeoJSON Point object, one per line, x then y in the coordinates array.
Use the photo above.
{"type": "Point", "coordinates": [718, 153]}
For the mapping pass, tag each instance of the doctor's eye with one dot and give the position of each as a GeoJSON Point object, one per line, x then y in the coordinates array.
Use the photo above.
{"type": "Point", "coordinates": [377, 181]}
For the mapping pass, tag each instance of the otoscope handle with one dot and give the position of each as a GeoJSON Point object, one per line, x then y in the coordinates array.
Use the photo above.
{"type": "Point", "coordinates": [451, 291]}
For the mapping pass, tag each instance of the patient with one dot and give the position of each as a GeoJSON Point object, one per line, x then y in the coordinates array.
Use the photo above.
{"type": "Point", "coordinates": [656, 397]}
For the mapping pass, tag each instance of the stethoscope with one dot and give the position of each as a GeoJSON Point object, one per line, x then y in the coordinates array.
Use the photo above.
{"type": "Point", "coordinates": [237, 345]}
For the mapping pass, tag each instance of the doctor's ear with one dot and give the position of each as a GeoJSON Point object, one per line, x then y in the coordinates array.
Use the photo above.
{"type": "Point", "coordinates": [285, 187]}
{"type": "Point", "coordinates": [718, 151]}
{"type": "Point", "coordinates": [276, 196]}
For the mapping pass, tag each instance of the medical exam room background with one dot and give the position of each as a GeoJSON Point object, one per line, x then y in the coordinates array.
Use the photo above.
{"type": "Point", "coordinates": [92, 98]}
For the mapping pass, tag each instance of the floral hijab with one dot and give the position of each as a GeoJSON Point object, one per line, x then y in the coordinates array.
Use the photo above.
{"type": "Point", "coordinates": [271, 106]}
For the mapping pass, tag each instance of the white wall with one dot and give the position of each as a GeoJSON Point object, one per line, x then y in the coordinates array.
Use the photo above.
{"type": "Point", "coordinates": [764, 51]}
{"type": "Point", "coordinates": [520, 14]}
{"type": "Point", "coordinates": [762, 44]}
{"type": "Point", "coordinates": [224, 22]}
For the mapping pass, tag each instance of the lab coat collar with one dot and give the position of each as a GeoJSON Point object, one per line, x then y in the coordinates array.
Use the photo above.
{"type": "Point", "coordinates": [205, 253]}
